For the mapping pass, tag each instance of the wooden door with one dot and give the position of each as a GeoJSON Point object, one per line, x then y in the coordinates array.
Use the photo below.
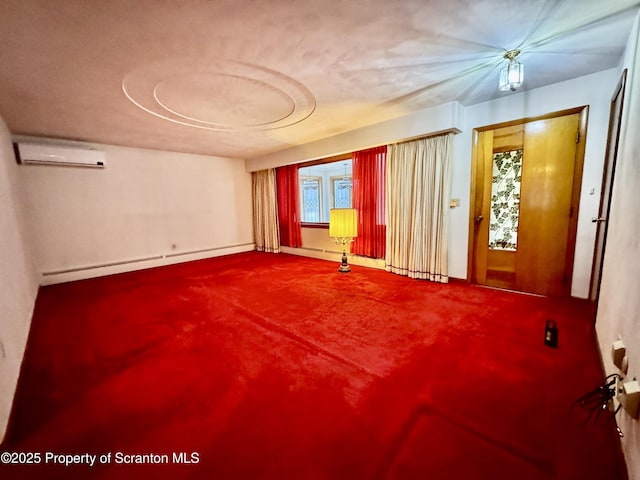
{"type": "Point", "coordinates": [608, 175]}
{"type": "Point", "coordinates": [536, 256]}
{"type": "Point", "coordinates": [546, 209]}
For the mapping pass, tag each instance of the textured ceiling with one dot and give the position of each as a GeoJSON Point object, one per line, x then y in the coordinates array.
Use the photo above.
{"type": "Point", "coordinates": [243, 78]}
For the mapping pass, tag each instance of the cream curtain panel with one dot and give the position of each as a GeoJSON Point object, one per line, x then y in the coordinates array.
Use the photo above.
{"type": "Point", "coordinates": [418, 185]}
{"type": "Point", "coordinates": [265, 211]}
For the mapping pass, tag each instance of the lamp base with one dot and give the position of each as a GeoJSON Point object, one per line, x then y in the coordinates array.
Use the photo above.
{"type": "Point", "coordinates": [344, 266]}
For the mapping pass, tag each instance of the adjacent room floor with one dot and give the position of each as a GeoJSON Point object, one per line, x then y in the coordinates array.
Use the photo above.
{"type": "Point", "coordinates": [272, 366]}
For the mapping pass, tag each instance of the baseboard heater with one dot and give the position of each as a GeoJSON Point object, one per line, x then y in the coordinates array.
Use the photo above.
{"type": "Point", "coordinates": [323, 250]}
{"type": "Point", "coordinates": [58, 155]}
{"type": "Point", "coordinates": [145, 259]}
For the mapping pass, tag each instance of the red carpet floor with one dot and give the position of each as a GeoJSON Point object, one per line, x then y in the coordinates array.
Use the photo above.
{"type": "Point", "coordinates": [265, 366]}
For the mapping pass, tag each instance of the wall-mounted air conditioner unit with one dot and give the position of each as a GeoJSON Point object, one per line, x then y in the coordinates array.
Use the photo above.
{"type": "Point", "coordinates": [47, 154]}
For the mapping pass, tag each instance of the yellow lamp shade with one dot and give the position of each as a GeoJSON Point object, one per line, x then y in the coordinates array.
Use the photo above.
{"type": "Point", "coordinates": [343, 223]}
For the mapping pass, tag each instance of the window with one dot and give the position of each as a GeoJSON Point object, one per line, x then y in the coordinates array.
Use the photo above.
{"type": "Point", "coordinates": [341, 188]}
{"type": "Point", "coordinates": [505, 200]}
{"type": "Point", "coordinates": [311, 198]}
{"type": "Point", "coordinates": [323, 187]}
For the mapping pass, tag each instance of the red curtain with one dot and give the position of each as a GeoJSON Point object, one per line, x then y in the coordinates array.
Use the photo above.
{"type": "Point", "coordinates": [288, 199]}
{"type": "Point", "coordinates": [368, 199]}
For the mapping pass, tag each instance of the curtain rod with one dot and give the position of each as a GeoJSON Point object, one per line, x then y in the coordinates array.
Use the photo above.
{"type": "Point", "coordinates": [348, 155]}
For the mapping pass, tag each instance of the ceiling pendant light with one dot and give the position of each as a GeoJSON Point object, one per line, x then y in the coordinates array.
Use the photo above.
{"type": "Point", "coordinates": [511, 76]}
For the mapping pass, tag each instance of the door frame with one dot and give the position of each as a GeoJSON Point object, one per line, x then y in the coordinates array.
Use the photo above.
{"type": "Point", "coordinates": [575, 192]}
{"type": "Point", "coordinates": [608, 179]}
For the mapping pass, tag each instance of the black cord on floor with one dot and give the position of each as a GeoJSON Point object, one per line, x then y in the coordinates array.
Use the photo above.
{"type": "Point", "coordinates": [598, 402]}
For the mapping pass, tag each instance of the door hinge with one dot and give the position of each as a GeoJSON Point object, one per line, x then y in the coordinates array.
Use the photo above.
{"type": "Point", "coordinates": [578, 136]}
{"type": "Point", "coordinates": [565, 279]}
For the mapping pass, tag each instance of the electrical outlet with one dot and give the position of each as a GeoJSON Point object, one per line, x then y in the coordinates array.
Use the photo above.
{"type": "Point", "coordinates": [628, 394]}
{"type": "Point", "coordinates": [618, 352]}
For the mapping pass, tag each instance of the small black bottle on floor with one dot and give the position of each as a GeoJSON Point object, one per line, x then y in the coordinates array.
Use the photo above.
{"type": "Point", "coordinates": [551, 334]}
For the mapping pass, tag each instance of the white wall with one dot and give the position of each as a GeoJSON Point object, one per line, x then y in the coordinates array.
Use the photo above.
{"type": "Point", "coordinates": [436, 119]}
{"type": "Point", "coordinates": [144, 205]}
{"type": "Point", "coordinates": [619, 306]}
{"type": "Point", "coordinates": [18, 276]}
{"type": "Point", "coordinates": [594, 90]}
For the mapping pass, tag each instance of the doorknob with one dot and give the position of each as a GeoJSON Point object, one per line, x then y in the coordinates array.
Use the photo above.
{"type": "Point", "coordinates": [598, 220]}
{"type": "Point", "coordinates": [478, 219]}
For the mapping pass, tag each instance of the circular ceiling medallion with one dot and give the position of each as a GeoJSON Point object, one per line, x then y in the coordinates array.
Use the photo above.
{"type": "Point", "coordinates": [218, 94]}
